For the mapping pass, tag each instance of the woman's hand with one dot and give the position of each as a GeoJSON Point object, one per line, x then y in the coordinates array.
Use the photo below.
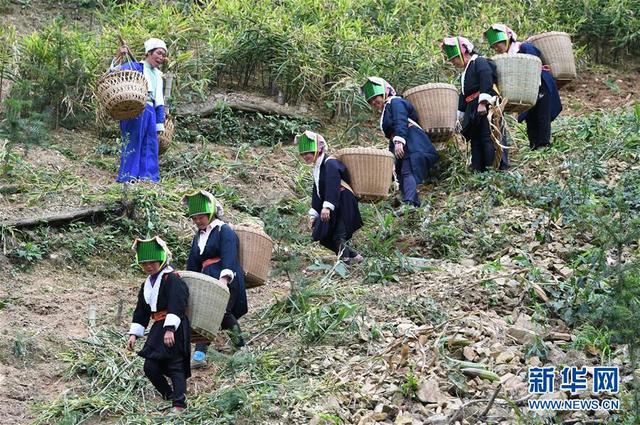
{"type": "Point", "coordinates": [482, 108]}
{"type": "Point", "coordinates": [312, 221]}
{"type": "Point", "coordinates": [325, 214]}
{"type": "Point", "coordinates": [122, 51]}
{"type": "Point", "coordinates": [131, 343]}
{"type": "Point", "coordinates": [225, 280]}
{"type": "Point", "coordinates": [169, 339]}
{"type": "Point", "coordinates": [399, 150]}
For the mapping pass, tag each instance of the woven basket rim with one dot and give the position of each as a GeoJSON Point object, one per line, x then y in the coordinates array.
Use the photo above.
{"type": "Point", "coordinates": [430, 86]}
{"type": "Point", "coordinates": [523, 56]}
{"type": "Point", "coordinates": [251, 229]}
{"type": "Point", "coordinates": [202, 276]}
{"type": "Point", "coordinates": [548, 34]}
{"type": "Point", "coordinates": [117, 72]}
{"type": "Point", "coordinates": [365, 150]}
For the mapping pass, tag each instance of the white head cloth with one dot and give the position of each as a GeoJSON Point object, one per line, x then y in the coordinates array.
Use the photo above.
{"type": "Point", "coordinates": [154, 43]}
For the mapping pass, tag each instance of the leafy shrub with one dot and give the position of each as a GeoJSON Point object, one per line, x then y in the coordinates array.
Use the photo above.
{"type": "Point", "coordinates": [58, 64]}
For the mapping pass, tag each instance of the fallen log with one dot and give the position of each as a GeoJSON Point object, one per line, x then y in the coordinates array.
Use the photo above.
{"type": "Point", "coordinates": [243, 103]}
{"type": "Point", "coordinates": [62, 218]}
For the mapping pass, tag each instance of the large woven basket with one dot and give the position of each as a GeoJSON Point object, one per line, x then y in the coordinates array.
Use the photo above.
{"type": "Point", "coordinates": [518, 80]}
{"type": "Point", "coordinates": [122, 93]}
{"type": "Point", "coordinates": [165, 137]}
{"type": "Point", "coordinates": [255, 254]}
{"type": "Point", "coordinates": [557, 52]}
{"type": "Point", "coordinates": [436, 104]}
{"type": "Point", "coordinates": [208, 300]}
{"type": "Point", "coordinates": [371, 171]}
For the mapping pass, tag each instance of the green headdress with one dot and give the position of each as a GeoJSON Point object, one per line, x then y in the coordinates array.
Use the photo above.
{"type": "Point", "coordinates": [201, 202]}
{"type": "Point", "coordinates": [306, 143]}
{"type": "Point", "coordinates": [154, 249]}
{"type": "Point", "coordinates": [310, 142]}
{"type": "Point", "coordinates": [372, 88]}
{"type": "Point", "coordinates": [452, 50]}
{"type": "Point", "coordinates": [494, 36]}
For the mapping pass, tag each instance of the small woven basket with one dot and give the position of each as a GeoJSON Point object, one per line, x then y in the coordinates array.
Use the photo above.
{"type": "Point", "coordinates": [165, 137]}
{"type": "Point", "coordinates": [518, 80]}
{"type": "Point", "coordinates": [557, 52]}
{"type": "Point", "coordinates": [122, 93]}
{"type": "Point", "coordinates": [254, 254]}
{"type": "Point", "coordinates": [436, 104]}
{"type": "Point", "coordinates": [371, 171]}
{"type": "Point", "coordinates": [208, 300]}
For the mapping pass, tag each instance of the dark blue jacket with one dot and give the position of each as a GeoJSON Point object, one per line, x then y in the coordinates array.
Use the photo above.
{"type": "Point", "coordinates": [418, 148]}
{"type": "Point", "coordinates": [332, 171]}
{"type": "Point", "coordinates": [139, 66]}
{"type": "Point", "coordinates": [480, 77]}
{"type": "Point", "coordinates": [223, 243]}
{"type": "Point", "coordinates": [549, 83]}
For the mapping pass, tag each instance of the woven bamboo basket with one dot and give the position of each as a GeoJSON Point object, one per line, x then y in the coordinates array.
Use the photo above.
{"type": "Point", "coordinates": [371, 171]}
{"type": "Point", "coordinates": [165, 137]}
{"type": "Point", "coordinates": [254, 254]}
{"type": "Point", "coordinates": [436, 104]}
{"type": "Point", "coordinates": [518, 80]}
{"type": "Point", "coordinates": [122, 93]}
{"type": "Point", "coordinates": [208, 300]}
{"type": "Point", "coordinates": [557, 52]}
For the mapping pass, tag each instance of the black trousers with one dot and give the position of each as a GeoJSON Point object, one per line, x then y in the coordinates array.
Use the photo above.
{"type": "Point", "coordinates": [339, 239]}
{"type": "Point", "coordinates": [482, 150]}
{"type": "Point", "coordinates": [539, 121]}
{"type": "Point", "coordinates": [156, 370]}
{"type": "Point", "coordinates": [229, 321]}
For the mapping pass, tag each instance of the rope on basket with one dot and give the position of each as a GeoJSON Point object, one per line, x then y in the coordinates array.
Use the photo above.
{"type": "Point", "coordinates": [498, 129]}
{"type": "Point", "coordinates": [461, 143]}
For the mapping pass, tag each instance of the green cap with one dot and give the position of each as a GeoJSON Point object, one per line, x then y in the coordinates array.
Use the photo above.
{"type": "Point", "coordinates": [198, 203]}
{"type": "Point", "coordinates": [306, 144]}
{"type": "Point", "coordinates": [495, 36]}
{"type": "Point", "coordinates": [149, 250]}
{"type": "Point", "coordinates": [452, 51]}
{"type": "Point", "coordinates": [372, 89]}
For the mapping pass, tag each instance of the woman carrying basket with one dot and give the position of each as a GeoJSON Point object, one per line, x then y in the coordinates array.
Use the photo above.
{"type": "Point", "coordinates": [214, 252]}
{"type": "Point", "coordinates": [139, 159]}
{"type": "Point", "coordinates": [478, 82]}
{"type": "Point", "coordinates": [502, 39]}
{"type": "Point", "coordinates": [413, 150]}
{"type": "Point", "coordinates": [334, 215]}
{"type": "Point", "coordinates": [163, 297]}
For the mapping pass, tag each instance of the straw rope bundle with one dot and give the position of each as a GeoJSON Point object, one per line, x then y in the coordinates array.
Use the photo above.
{"type": "Point", "coordinates": [371, 171]}
{"type": "Point", "coordinates": [557, 52]}
{"type": "Point", "coordinates": [208, 300]}
{"type": "Point", "coordinates": [254, 253]}
{"type": "Point", "coordinates": [165, 137]}
{"type": "Point", "coordinates": [518, 80]}
{"type": "Point", "coordinates": [436, 104]}
{"type": "Point", "coordinates": [495, 116]}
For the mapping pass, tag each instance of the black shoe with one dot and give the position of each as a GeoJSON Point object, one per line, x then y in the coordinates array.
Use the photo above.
{"type": "Point", "coordinates": [235, 334]}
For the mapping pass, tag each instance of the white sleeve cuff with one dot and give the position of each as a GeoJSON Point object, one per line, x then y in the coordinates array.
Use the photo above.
{"type": "Point", "coordinates": [486, 97]}
{"type": "Point", "coordinates": [460, 115]}
{"type": "Point", "coordinates": [229, 273]}
{"type": "Point", "coordinates": [160, 126]}
{"type": "Point", "coordinates": [137, 330]}
{"type": "Point", "coordinates": [313, 213]}
{"type": "Point", "coordinates": [172, 320]}
{"type": "Point", "coordinates": [398, 139]}
{"type": "Point", "coordinates": [329, 205]}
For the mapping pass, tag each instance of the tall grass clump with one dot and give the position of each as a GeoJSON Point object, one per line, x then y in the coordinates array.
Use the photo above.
{"type": "Point", "coordinates": [306, 50]}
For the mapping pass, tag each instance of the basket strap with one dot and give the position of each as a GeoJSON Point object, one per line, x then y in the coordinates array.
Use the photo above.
{"type": "Point", "coordinates": [345, 185]}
